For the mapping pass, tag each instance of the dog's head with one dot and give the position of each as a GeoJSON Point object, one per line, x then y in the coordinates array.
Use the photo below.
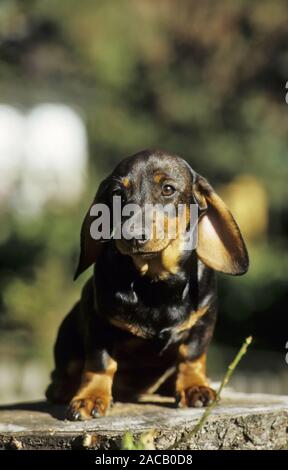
{"type": "Point", "coordinates": [152, 180]}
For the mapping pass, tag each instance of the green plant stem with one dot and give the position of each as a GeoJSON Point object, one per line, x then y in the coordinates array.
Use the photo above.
{"type": "Point", "coordinates": [242, 351]}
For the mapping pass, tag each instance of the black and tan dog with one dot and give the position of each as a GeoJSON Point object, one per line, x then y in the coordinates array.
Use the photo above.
{"type": "Point", "coordinates": [150, 306]}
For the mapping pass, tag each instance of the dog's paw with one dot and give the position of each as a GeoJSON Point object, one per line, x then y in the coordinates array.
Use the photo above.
{"type": "Point", "coordinates": [195, 396]}
{"type": "Point", "coordinates": [88, 407]}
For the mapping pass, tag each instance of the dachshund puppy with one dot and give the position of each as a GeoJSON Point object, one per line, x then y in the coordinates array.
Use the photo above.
{"type": "Point", "coordinates": [151, 304]}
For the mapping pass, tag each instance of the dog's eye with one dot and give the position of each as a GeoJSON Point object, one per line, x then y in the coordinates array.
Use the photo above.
{"type": "Point", "coordinates": [168, 190]}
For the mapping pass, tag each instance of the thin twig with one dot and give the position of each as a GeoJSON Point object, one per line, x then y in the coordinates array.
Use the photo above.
{"type": "Point", "coordinates": [242, 351]}
{"type": "Point", "coordinates": [168, 373]}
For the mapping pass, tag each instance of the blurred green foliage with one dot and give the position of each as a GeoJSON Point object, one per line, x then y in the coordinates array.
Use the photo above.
{"type": "Point", "coordinates": [145, 442]}
{"type": "Point", "coordinates": [200, 78]}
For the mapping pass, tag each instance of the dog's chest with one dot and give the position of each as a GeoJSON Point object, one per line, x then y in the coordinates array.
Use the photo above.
{"type": "Point", "coordinates": [125, 296]}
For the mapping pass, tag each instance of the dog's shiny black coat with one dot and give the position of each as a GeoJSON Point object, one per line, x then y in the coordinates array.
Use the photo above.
{"type": "Point", "coordinates": [155, 308]}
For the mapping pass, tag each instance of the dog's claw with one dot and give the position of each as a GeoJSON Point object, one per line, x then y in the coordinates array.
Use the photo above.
{"type": "Point", "coordinates": [95, 413]}
{"type": "Point", "coordinates": [177, 399]}
{"type": "Point", "coordinates": [73, 415]}
{"type": "Point", "coordinates": [196, 396]}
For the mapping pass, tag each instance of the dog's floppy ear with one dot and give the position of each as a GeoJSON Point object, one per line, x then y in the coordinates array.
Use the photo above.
{"type": "Point", "coordinates": [90, 248]}
{"type": "Point", "coordinates": [220, 243]}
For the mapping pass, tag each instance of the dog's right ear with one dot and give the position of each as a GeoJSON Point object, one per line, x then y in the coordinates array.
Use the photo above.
{"type": "Point", "coordinates": [90, 248]}
{"type": "Point", "coordinates": [220, 243]}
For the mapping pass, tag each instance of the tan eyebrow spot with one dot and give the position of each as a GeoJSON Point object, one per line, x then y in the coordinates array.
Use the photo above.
{"type": "Point", "coordinates": [158, 177]}
{"type": "Point", "coordinates": [126, 182]}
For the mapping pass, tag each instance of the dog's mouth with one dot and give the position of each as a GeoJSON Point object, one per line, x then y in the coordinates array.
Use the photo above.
{"type": "Point", "coordinates": [148, 253]}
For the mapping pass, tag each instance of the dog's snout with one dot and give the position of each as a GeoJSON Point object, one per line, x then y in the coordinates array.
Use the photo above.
{"type": "Point", "coordinates": [140, 240]}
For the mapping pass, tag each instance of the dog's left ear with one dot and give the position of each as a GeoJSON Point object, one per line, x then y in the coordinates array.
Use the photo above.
{"type": "Point", "coordinates": [90, 248]}
{"type": "Point", "coordinates": [220, 243]}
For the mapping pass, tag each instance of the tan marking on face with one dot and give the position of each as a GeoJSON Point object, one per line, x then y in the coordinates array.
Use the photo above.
{"type": "Point", "coordinates": [164, 264]}
{"type": "Point", "coordinates": [158, 177]}
{"type": "Point", "coordinates": [125, 182]}
{"type": "Point", "coordinates": [167, 261]}
{"type": "Point", "coordinates": [171, 256]}
{"type": "Point", "coordinates": [169, 250]}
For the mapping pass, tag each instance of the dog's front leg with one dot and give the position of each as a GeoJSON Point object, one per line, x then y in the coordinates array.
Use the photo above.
{"type": "Point", "coordinates": [94, 395]}
{"type": "Point", "coordinates": [192, 386]}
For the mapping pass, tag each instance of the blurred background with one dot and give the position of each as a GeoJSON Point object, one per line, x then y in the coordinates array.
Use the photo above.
{"type": "Point", "coordinates": [84, 84]}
